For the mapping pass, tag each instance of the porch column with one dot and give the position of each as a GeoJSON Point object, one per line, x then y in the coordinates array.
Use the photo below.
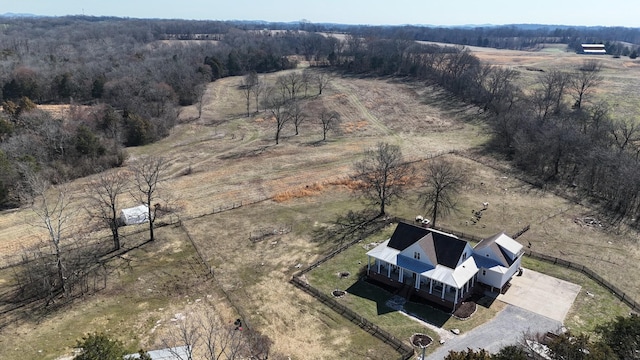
{"type": "Point", "coordinates": [455, 301]}
{"type": "Point", "coordinates": [401, 278]}
{"type": "Point", "coordinates": [379, 263]}
{"type": "Point", "coordinates": [388, 270]}
{"type": "Point", "coordinates": [417, 281]}
{"type": "Point", "coordinates": [430, 286]}
{"type": "Point", "coordinates": [444, 290]}
{"type": "Point", "coordinates": [473, 280]}
{"type": "Point", "coordinates": [369, 264]}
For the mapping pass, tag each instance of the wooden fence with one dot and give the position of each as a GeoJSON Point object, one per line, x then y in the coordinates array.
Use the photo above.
{"type": "Point", "coordinates": [406, 352]}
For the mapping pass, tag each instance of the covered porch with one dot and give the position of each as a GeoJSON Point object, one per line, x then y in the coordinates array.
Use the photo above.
{"type": "Point", "coordinates": [438, 289]}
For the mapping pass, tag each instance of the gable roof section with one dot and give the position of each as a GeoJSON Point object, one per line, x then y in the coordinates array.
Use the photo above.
{"type": "Point", "coordinates": [441, 248]}
{"type": "Point", "coordinates": [448, 249]}
{"type": "Point", "coordinates": [505, 248]}
{"type": "Point", "coordinates": [405, 235]}
{"type": "Point", "coordinates": [426, 244]}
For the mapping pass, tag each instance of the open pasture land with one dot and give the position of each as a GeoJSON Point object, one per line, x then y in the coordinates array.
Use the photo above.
{"type": "Point", "coordinates": [225, 158]}
{"type": "Point", "coordinates": [619, 89]}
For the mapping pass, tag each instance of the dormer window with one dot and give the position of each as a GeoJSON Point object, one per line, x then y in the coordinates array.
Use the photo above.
{"type": "Point", "coordinates": [416, 255]}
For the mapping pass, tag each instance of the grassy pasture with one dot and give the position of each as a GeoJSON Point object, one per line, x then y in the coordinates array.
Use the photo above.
{"type": "Point", "coordinates": [226, 158]}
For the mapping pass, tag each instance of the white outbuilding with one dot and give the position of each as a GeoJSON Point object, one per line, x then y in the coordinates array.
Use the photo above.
{"type": "Point", "coordinates": [135, 215]}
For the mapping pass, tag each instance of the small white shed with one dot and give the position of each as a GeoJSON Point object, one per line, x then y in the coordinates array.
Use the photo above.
{"type": "Point", "coordinates": [135, 215]}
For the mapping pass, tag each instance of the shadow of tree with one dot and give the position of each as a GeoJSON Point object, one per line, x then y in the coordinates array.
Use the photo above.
{"type": "Point", "coordinates": [351, 226]}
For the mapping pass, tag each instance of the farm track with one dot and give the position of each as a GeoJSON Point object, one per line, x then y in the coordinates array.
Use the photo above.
{"type": "Point", "coordinates": [362, 110]}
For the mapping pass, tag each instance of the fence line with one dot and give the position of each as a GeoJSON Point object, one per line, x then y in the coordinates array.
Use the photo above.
{"type": "Point", "coordinates": [406, 352]}
{"type": "Point", "coordinates": [203, 261]}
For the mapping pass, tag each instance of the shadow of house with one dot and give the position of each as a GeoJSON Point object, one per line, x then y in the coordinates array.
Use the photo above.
{"type": "Point", "coordinates": [370, 291]}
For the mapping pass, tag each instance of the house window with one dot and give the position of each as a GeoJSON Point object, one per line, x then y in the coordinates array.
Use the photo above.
{"type": "Point", "coordinates": [464, 256]}
{"type": "Point", "coordinates": [484, 272]}
{"type": "Point", "coordinates": [416, 255]}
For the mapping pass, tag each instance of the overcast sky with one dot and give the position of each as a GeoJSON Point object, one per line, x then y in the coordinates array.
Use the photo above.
{"type": "Point", "coordinates": [374, 12]}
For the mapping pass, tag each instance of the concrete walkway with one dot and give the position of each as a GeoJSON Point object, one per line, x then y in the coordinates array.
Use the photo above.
{"type": "Point", "coordinates": [506, 328]}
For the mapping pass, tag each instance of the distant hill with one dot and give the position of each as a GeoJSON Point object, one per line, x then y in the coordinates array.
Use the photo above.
{"type": "Point", "coordinates": [17, 15]}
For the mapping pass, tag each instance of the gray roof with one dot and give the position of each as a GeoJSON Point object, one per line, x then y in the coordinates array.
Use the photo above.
{"type": "Point", "coordinates": [174, 353]}
{"type": "Point", "coordinates": [441, 248]}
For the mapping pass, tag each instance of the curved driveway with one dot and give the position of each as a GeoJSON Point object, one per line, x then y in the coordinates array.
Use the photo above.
{"type": "Point", "coordinates": [506, 328]}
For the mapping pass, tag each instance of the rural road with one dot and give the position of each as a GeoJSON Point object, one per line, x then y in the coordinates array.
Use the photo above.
{"type": "Point", "coordinates": [505, 329]}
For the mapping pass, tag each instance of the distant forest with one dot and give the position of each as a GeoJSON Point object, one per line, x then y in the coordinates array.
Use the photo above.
{"type": "Point", "coordinates": [126, 82]}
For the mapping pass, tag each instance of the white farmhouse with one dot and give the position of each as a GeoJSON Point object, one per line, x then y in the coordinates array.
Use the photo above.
{"type": "Point", "coordinates": [441, 267]}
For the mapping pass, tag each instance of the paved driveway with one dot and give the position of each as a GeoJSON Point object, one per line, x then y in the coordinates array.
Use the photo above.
{"type": "Point", "coordinates": [506, 328]}
{"type": "Point", "coordinates": [542, 294]}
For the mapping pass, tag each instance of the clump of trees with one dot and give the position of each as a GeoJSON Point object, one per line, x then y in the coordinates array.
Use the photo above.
{"type": "Point", "coordinates": [70, 262]}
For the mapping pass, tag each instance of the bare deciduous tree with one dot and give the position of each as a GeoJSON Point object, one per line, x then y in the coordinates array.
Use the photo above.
{"type": "Point", "coordinates": [210, 338]}
{"type": "Point", "coordinates": [51, 204]}
{"type": "Point", "coordinates": [499, 86]}
{"type": "Point", "coordinates": [548, 98]}
{"type": "Point", "coordinates": [200, 90]}
{"type": "Point", "coordinates": [330, 121]}
{"type": "Point", "coordinates": [246, 85]}
{"type": "Point", "coordinates": [148, 173]}
{"type": "Point", "coordinates": [296, 113]}
{"type": "Point", "coordinates": [290, 84]}
{"type": "Point", "coordinates": [584, 81]}
{"type": "Point", "coordinates": [104, 192]}
{"type": "Point", "coordinates": [625, 133]}
{"type": "Point", "coordinates": [443, 181]}
{"type": "Point", "coordinates": [322, 80]}
{"type": "Point", "coordinates": [382, 175]}
{"type": "Point", "coordinates": [278, 109]}
{"type": "Point", "coordinates": [257, 90]}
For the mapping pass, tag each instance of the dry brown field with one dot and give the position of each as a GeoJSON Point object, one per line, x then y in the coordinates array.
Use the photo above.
{"type": "Point", "coordinates": [226, 158]}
